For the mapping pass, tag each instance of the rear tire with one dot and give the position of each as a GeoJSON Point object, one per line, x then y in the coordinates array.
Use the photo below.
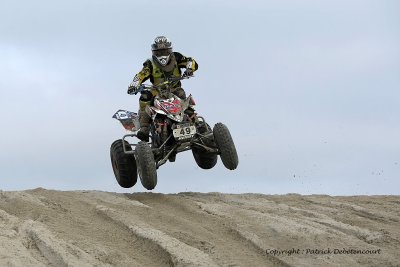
{"type": "Point", "coordinates": [204, 159]}
{"type": "Point", "coordinates": [146, 165]}
{"type": "Point", "coordinates": [124, 165]}
{"type": "Point", "coordinates": [226, 146]}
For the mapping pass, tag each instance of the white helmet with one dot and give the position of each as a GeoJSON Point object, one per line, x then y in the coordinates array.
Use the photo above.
{"type": "Point", "coordinates": [162, 49]}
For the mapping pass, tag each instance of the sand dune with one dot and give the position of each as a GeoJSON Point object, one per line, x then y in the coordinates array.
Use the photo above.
{"type": "Point", "coordinates": [90, 228]}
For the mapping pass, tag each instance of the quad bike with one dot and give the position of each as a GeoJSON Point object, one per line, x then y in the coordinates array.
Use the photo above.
{"type": "Point", "coordinates": [175, 128]}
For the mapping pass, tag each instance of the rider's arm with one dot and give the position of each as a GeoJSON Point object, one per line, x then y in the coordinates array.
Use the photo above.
{"type": "Point", "coordinates": [186, 62]}
{"type": "Point", "coordinates": [144, 74]}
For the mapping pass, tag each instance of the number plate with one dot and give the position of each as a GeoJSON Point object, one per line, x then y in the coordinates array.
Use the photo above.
{"type": "Point", "coordinates": [184, 131]}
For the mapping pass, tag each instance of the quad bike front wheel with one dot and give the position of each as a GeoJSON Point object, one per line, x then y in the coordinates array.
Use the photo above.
{"type": "Point", "coordinates": [226, 146]}
{"type": "Point", "coordinates": [124, 165]}
{"type": "Point", "coordinates": [146, 165]}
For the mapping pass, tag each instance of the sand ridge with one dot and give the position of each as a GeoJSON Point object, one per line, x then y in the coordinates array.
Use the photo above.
{"type": "Point", "coordinates": [91, 228]}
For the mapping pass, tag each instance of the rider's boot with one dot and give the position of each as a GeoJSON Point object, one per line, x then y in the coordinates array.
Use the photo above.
{"type": "Point", "coordinates": [190, 111]}
{"type": "Point", "coordinates": [143, 133]}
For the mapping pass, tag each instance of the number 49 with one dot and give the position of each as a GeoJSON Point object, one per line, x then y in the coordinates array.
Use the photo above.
{"type": "Point", "coordinates": [185, 131]}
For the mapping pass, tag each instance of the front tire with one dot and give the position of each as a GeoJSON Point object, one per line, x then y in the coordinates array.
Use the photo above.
{"type": "Point", "coordinates": [124, 165]}
{"type": "Point", "coordinates": [146, 165]}
{"type": "Point", "coordinates": [226, 146]}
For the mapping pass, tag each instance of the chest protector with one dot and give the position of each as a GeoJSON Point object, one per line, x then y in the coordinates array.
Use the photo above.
{"type": "Point", "coordinates": [160, 74]}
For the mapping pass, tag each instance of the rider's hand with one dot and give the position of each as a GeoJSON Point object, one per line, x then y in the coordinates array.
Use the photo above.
{"type": "Point", "coordinates": [187, 72]}
{"type": "Point", "coordinates": [134, 87]}
{"type": "Point", "coordinates": [132, 90]}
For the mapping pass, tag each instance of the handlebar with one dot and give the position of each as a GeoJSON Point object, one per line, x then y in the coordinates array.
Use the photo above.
{"type": "Point", "coordinates": [166, 84]}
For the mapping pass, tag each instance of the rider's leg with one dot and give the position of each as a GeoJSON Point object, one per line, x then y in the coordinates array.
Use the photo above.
{"type": "Point", "coordinates": [144, 118]}
{"type": "Point", "coordinates": [179, 92]}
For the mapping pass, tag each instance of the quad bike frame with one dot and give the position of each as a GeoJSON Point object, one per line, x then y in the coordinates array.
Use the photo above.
{"type": "Point", "coordinates": [197, 140]}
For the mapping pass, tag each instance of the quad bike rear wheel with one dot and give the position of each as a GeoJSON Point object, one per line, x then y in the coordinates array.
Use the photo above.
{"type": "Point", "coordinates": [124, 165]}
{"type": "Point", "coordinates": [226, 146]}
{"type": "Point", "coordinates": [204, 159]}
{"type": "Point", "coordinates": [146, 165]}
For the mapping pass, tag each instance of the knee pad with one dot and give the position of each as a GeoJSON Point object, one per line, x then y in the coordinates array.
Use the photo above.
{"type": "Point", "coordinates": [143, 105]}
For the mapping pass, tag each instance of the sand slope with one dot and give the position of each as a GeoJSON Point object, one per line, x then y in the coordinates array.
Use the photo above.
{"type": "Point", "coordinates": [90, 228]}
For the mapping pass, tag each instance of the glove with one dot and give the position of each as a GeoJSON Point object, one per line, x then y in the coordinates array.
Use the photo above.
{"type": "Point", "coordinates": [132, 90]}
{"type": "Point", "coordinates": [188, 72]}
{"type": "Point", "coordinates": [133, 87]}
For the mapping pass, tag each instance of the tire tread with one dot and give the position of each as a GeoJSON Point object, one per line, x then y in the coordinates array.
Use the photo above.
{"type": "Point", "coordinates": [226, 146]}
{"type": "Point", "coordinates": [126, 175]}
{"type": "Point", "coordinates": [146, 165]}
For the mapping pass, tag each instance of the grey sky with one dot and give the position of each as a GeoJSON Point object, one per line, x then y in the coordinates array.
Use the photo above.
{"type": "Point", "coordinates": [309, 89]}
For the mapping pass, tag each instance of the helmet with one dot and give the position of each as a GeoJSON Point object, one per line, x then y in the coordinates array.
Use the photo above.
{"type": "Point", "coordinates": [162, 49]}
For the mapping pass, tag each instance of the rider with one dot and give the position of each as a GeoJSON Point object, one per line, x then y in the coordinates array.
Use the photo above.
{"type": "Point", "coordinates": [163, 65]}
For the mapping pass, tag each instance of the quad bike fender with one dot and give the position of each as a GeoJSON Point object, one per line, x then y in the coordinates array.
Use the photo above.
{"type": "Point", "coordinates": [152, 111]}
{"type": "Point", "coordinates": [128, 119]}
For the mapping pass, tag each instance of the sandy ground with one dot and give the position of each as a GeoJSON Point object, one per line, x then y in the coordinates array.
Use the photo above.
{"type": "Point", "coordinates": [90, 228]}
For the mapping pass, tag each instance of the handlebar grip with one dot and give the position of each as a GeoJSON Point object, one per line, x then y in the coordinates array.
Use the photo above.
{"type": "Point", "coordinates": [139, 89]}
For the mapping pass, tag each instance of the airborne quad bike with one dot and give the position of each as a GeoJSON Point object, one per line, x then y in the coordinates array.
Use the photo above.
{"type": "Point", "coordinates": [175, 128]}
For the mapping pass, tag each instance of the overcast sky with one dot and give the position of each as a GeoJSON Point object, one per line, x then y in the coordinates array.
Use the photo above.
{"type": "Point", "coordinates": [309, 89]}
